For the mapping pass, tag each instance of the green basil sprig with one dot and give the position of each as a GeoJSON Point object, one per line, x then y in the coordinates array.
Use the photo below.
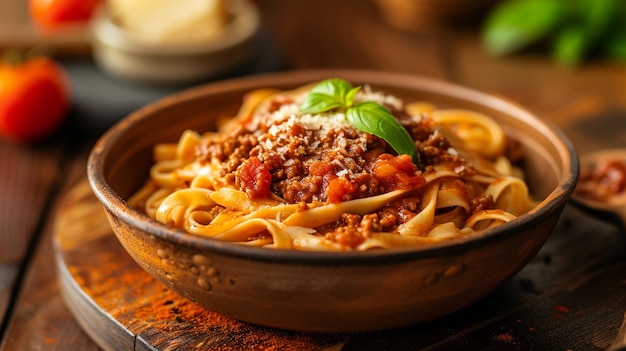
{"type": "Point", "coordinates": [516, 24]}
{"type": "Point", "coordinates": [573, 30]}
{"type": "Point", "coordinates": [369, 117]}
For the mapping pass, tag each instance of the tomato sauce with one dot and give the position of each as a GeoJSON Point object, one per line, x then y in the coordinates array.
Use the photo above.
{"type": "Point", "coordinates": [254, 178]}
{"type": "Point", "coordinates": [397, 172]}
{"type": "Point", "coordinates": [606, 179]}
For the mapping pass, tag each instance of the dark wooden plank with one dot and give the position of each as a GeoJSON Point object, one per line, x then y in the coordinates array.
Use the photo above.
{"type": "Point", "coordinates": [27, 178]}
{"type": "Point", "coordinates": [40, 320]}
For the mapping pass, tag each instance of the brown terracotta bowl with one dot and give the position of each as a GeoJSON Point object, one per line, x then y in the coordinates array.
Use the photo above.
{"type": "Point", "coordinates": [320, 291]}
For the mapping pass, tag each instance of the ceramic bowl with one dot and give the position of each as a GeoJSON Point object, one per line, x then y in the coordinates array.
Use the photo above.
{"type": "Point", "coordinates": [321, 291]}
{"type": "Point", "coordinates": [125, 55]}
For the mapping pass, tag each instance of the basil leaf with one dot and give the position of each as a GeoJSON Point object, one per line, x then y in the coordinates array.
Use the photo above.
{"type": "Point", "coordinates": [318, 102]}
{"type": "Point", "coordinates": [327, 95]}
{"type": "Point", "coordinates": [514, 25]}
{"type": "Point", "coordinates": [333, 87]}
{"type": "Point", "coordinates": [373, 118]}
{"type": "Point", "coordinates": [350, 96]}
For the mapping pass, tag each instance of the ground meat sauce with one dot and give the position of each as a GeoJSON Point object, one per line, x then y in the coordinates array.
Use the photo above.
{"type": "Point", "coordinates": [301, 162]}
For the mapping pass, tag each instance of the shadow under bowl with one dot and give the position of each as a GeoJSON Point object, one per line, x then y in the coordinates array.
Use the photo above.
{"type": "Point", "coordinates": [322, 291]}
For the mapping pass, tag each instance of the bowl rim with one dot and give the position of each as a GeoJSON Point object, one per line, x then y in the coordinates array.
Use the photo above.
{"type": "Point", "coordinates": [557, 198]}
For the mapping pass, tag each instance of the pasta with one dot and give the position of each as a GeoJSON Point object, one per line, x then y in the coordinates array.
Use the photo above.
{"type": "Point", "coordinates": [276, 177]}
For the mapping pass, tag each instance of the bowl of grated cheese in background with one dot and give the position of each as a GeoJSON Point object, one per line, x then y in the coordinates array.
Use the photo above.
{"type": "Point", "coordinates": [173, 42]}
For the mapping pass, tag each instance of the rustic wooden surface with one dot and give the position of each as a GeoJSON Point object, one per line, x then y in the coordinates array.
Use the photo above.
{"type": "Point", "coordinates": [547, 306]}
{"type": "Point", "coordinates": [572, 296]}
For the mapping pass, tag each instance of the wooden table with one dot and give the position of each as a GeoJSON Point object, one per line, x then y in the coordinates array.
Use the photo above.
{"type": "Point", "coordinates": [572, 295]}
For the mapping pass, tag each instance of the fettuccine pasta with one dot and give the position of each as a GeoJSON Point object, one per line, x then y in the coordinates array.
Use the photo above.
{"type": "Point", "coordinates": [275, 177]}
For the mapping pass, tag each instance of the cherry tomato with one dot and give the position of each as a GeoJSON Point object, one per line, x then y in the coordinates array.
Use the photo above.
{"type": "Point", "coordinates": [53, 14]}
{"type": "Point", "coordinates": [34, 99]}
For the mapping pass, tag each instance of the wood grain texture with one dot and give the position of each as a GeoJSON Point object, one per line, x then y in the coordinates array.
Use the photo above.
{"type": "Point", "coordinates": [40, 320]}
{"type": "Point", "coordinates": [27, 178]}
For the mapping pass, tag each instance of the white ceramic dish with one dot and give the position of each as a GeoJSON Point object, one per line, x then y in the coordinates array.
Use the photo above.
{"type": "Point", "coordinates": [124, 55]}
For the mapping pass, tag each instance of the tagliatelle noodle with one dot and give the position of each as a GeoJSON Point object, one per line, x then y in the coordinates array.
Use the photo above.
{"type": "Point", "coordinates": [469, 186]}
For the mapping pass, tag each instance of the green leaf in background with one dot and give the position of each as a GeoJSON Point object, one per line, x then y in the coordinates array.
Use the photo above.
{"type": "Point", "coordinates": [614, 46]}
{"type": "Point", "coordinates": [373, 118]}
{"type": "Point", "coordinates": [515, 24]}
{"type": "Point", "coordinates": [575, 29]}
{"type": "Point", "coordinates": [596, 16]}
{"type": "Point", "coordinates": [584, 30]}
{"type": "Point", "coordinates": [570, 46]}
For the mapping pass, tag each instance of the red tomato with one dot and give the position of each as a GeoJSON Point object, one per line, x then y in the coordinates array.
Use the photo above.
{"type": "Point", "coordinates": [52, 14]}
{"type": "Point", "coordinates": [397, 172]}
{"type": "Point", "coordinates": [338, 188]}
{"type": "Point", "coordinates": [255, 178]}
{"type": "Point", "coordinates": [34, 99]}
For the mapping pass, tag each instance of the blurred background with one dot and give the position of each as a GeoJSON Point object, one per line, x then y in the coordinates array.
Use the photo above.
{"type": "Point", "coordinates": [570, 52]}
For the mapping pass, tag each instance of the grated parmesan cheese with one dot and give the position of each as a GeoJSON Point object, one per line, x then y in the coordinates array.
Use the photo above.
{"type": "Point", "coordinates": [366, 94]}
